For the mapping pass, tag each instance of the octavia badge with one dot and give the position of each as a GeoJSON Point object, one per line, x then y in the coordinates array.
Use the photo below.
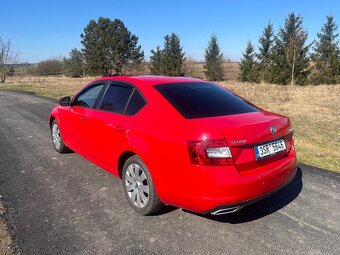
{"type": "Point", "coordinates": [273, 130]}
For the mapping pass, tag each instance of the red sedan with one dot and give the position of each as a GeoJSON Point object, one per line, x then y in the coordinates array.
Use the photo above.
{"type": "Point", "coordinates": [177, 141]}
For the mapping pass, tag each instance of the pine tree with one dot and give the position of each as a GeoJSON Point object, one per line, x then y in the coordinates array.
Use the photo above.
{"type": "Point", "coordinates": [109, 46]}
{"type": "Point", "coordinates": [290, 55]}
{"type": "Point", "coordinates": [74, 65]}
{"type": "Point", "coordinates": [156, 61]}
{"type": "Point", "coordinates": [213, 61]}
{"type": "Point", "coordinates": [265, 51]}
{"type": "Point", "coordinates": [327, 54]}
{"type": "Point", "coordinates": [169, 60]}
{"type": "Point", "coordinates": [248, 66]}
{"type": "Point", "coordinates": [173, 56]}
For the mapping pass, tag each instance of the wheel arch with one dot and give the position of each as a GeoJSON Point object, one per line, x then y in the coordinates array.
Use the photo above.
{"type": "Point", "coordinates": [52, 118]}
{"type": "Point", "coordinates": [122, 159]}
{"type": "Point", "coordinates": [129, 153]}
{"type": "Point", "coordinates": [54, 115]}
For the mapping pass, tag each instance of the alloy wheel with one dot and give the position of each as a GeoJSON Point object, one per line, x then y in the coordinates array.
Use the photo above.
{"type": "Point", "coordinates": [56, 136]}
{"type": "Point", "coordinates": [137, 186]}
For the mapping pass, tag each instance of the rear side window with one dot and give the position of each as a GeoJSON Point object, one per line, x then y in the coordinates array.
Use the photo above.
{"type": "Point", "coordinates": [115, 99]}
{"type": "Point", "coordinates": [135, 104]}
{"type": "Point", "coordinates": [203, 99]}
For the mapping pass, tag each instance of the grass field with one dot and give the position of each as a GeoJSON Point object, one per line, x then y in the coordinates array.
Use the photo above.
{"type": "Point", "coordinates": [314, 110]}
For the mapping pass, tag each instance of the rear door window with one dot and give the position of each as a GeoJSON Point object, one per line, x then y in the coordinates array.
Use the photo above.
{"type": "Point", "coordinates": [116, 98]}
{"type": "Point", "coordinates": [203, 99]}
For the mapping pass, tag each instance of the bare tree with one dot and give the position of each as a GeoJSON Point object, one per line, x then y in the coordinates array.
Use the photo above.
{"type": "Point", "coordinates": [7, 57]}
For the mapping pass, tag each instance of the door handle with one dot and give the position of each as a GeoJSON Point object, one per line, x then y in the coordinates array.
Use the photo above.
{"type": "Point", "coordinates": [120, 128]}
{"type": "Point", "coordinates": [82, 118]}
{"type": "Point", "coordinates": [117, 127]}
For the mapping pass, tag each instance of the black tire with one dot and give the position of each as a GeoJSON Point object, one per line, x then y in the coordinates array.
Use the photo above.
{"type": "Point", "coordinates": [59, 147]}
{"type": "Point", "coordinates": [153, 204]}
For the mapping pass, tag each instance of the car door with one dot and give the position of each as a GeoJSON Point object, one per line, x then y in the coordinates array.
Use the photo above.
{"type": "Point", "coordinates": [76, 119]}
{"type": "Point", "coordinates": [112, 123]}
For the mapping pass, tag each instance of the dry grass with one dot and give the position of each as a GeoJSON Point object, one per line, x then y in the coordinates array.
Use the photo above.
{"type": "Point", "coordinates": [314, 111]}
{"type": "Point", "coordinates": [49, 86]}
{"type": "Point", "coordinates": [5, 239]}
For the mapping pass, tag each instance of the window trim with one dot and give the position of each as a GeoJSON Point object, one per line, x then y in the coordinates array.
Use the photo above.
{"type": "Point", "coordinates": [128, 101]}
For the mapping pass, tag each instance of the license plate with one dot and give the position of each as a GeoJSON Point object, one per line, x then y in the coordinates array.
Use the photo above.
{"type": "Point", "coordinates": [270, 149]}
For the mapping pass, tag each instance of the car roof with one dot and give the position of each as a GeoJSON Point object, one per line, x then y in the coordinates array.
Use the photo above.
{"type": "Point", "coordinates": [151, 79]}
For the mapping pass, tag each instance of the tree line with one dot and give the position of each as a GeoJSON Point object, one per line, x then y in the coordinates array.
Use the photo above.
{"type": "Point", "coordinates": [285, 58]}
{"type": "Point", "coordinates": [282, 58]}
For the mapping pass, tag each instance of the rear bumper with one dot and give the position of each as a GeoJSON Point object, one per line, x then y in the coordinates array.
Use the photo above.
{"type": "Point", "coordinates": [231, 208]}
{"type": "Point", "coordinates": [206, 189]}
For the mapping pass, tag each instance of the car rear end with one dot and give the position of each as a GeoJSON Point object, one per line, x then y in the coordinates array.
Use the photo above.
{"type": "Point", "coordinates": [243, 174]}
{"type": "Point", "coordinates": [237, 153]}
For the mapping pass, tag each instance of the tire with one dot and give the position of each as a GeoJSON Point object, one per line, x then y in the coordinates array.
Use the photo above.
{"type": "Point", "coordinates": [139, 188]}
{"type": "Point", "coordinates": [57, 140]}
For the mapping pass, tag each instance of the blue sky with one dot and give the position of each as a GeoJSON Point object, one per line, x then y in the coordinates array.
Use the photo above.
{"type": "Point", "coordinates": [43, 29]}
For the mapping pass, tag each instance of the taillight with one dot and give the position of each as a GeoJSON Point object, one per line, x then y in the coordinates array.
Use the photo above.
{"type": "Point", "coordinates": [211, 152]}
{"type": "Point", "coordinates": [290, 135]}
{"type": "Point", "coordinates": [291, 130]}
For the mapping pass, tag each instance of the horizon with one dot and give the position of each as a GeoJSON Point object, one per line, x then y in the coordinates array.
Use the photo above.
{"type": "Point", "coordinates": [48, 30]}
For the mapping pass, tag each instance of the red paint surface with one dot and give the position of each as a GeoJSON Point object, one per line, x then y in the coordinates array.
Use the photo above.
{"type": "Point", "coordinates": [159, 135]}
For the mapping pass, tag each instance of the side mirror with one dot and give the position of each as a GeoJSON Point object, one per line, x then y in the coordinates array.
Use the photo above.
{"type": "Point", "coordinates": [65, 101]}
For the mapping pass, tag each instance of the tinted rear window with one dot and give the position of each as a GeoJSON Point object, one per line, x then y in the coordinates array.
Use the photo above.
{"type": "Point", "coordinates": [203, 99]}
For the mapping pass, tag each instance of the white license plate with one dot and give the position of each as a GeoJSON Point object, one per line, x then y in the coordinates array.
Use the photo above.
{"type": "Point", "coordinates": [270, 149]}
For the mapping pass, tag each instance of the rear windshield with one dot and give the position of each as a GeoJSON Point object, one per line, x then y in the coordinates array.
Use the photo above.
{"type": "Point", "coordinates": [203, 99]}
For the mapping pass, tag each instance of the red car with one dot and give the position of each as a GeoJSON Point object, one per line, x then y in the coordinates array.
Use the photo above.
{"type": "Point", "coordinates": [178, 141]}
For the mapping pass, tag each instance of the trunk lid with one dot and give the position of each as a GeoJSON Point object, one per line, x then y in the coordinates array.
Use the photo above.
{"type": "Point", "coordinates": [245, 131]}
